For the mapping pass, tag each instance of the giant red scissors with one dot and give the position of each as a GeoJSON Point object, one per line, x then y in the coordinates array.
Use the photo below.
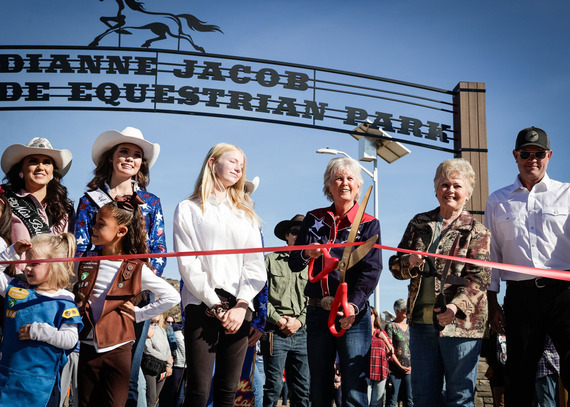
{"type": "Point", "coordinates": [350, 257]}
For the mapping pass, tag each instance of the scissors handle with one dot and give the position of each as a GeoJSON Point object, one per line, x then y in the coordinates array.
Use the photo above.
{"type": "Point", "coordinates": [340, 300]}
{"type": "Point", "coordinates": [329, 264]}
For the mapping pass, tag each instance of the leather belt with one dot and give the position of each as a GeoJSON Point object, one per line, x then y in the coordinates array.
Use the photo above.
{"type": "Point", "coordinates": [539, 282]}
{"type": "Point", "coordinates": [324, 303]}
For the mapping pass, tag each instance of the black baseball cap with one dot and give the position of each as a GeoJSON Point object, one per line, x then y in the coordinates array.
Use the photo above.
{"type": "Point", "coordinates": [532, 136]}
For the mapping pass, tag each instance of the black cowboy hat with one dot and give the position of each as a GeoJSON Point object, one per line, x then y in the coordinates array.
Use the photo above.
{"type": "Point", "coordinates": [285, 226]}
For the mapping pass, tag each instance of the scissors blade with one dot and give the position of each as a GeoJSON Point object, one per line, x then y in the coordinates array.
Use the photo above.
{"type": "Point", "coordinates": [361, 251]}
{"type": "Point", "coordinates": [343, 264]}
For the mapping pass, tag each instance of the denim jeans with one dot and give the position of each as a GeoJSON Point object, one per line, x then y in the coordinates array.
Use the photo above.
{"type": "Point", "coordinates": [397, 381]}
{"type": "Point", "coordinates": [289, 353]}
{"type": "Point", "coordinates": [354, 355]}
{"type": "Point", "coordinates": [141, 331]}
{"type": "Point", "coordinates": [435, 357]}
{"type": "Point", "coordinates": [545, 388]}
{"type": "Point", "coordinates": [258, 380]}
{"type": "Point", "coordinates": [377, 393]}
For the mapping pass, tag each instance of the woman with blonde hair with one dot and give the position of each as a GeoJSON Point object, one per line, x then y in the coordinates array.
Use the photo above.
{"type": "Point", "coordinates": [447, 303]}
{"type": "Point", "coordinates": [218, 290]}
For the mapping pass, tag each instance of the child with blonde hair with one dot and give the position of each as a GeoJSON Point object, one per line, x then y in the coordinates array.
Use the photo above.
{"type": "Point", "coordinates": [41, 321]}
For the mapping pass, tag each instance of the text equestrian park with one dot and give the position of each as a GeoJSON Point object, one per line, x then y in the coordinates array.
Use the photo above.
{"type": "Point", "coordinates": [181, 93]}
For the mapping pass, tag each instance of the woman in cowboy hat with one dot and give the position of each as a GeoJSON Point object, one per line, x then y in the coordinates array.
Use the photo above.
{"type": "Point", "coordinates": [123, 160]}
{"type": "Point", "coordinates": [33, 187]}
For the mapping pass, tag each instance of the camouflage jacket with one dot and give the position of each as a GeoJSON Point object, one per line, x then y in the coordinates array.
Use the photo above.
{"type": "Point", "coordinates": [470, 297]}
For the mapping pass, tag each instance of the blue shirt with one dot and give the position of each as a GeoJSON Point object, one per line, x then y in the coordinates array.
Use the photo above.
{"type": "Point", "coordinates": [154, 221]}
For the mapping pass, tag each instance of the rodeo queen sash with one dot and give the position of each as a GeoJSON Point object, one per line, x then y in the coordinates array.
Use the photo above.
{"type": "Point", "coordinates": [25, 209]}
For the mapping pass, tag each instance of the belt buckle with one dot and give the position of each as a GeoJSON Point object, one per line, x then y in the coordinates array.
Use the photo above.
{"type": "Point", "coordinates": [542, 284]}
{"type": "Point", "coordinates": [326, 302]}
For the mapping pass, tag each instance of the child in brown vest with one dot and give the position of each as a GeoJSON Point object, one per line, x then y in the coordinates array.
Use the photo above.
{"type": "Point", "coordinates": [105, 293]}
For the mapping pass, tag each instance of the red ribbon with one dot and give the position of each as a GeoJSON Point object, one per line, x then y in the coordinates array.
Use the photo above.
{"type": "Point", "coordinates": [538, 272]}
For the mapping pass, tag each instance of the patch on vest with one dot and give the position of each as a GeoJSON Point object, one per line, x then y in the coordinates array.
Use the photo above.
{"type": "Point", "coordinates": [71, 312]}
{"type": "Point", "coordinates": [18, 293]}
{"type": "Point", "coordinates": [11, 313]}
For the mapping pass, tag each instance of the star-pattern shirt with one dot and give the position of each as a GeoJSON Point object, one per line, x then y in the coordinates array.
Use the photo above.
{"type": "Point", "coordinates": [152, 213]}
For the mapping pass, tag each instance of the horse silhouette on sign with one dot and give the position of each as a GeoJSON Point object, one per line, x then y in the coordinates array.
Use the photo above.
{"type": "Point", "coordinates": [172, 25]}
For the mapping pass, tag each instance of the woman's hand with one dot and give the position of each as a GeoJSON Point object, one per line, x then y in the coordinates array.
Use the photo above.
{"type": "Point", "coordinates": [346, 322]}
{"type": "Point", "coordinates": [313, 252]}
{"type": "Point", "coordinates": [233, 319]}
{"type": "Point", "coordinates": [415, 261]}
{"type": "Point", "coordinates": [446, 317]}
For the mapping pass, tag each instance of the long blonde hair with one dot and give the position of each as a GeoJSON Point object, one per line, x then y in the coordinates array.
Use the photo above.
{"type": "Point", "coordinates": [207, 181]}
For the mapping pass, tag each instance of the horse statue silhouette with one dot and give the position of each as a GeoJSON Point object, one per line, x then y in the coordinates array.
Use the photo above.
{"type": "Point", "coordinates": [173, 25]}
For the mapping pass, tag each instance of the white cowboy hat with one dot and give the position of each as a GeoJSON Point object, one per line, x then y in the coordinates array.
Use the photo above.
{"type": "Point", "coordinates": [130, 135]}
{"type": "Point", "coordinates": [38, 145]}
{"type": "Point", "coordinates": [251, 186]}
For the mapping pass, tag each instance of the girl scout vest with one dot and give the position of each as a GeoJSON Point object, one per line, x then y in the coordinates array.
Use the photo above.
{"type": "Point", "coordinates": [29, 370]}
{"type": "Point", "coordinates": [112, 327]}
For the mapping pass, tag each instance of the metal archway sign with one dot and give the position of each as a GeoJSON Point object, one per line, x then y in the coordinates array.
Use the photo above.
{"type": "Point", "coordinates": [223, 86]}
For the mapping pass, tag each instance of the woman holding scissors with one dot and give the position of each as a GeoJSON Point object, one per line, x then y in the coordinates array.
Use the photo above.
{"type": "Point", "coordinates": [447, 307]}
{"type": "Point", "coordinates": [342, 185]}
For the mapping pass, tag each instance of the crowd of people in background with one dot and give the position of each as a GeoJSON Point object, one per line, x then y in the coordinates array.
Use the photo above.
{"type": "Point", "coordinates": [100, 331]}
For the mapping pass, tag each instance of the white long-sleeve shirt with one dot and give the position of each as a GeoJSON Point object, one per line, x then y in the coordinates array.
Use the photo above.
{"type": "Point", "coordinates": [219, 227]}
{"type": "Point", "coordinates": [166, 295]}
{"type": "Point", "coordinates": [529, 228]}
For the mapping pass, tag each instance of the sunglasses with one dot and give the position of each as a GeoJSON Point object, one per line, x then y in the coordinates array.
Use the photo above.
{"type": "Point", "coordinates": [525, 155]}
{"type": "Point", "coordinates": [169, 322]}
{"type": "Point", "coordinates": [294, 232]}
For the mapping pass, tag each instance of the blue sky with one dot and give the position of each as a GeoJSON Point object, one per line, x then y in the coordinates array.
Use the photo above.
{"type": "Point", "coordinates": [519, 49]}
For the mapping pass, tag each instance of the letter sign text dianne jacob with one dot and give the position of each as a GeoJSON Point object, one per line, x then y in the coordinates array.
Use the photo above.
{"type": "Point", "coordinates": [196, 84]}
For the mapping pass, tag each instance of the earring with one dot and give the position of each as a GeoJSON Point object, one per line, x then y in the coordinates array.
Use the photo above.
{"type": "Point", "coordinates": [21, 174]}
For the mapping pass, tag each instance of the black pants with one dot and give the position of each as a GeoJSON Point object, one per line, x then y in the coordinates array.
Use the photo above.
{"type": "Point", "coordinates": [531, 313]}
{"type": "Point", "coordinates": [206, 342]}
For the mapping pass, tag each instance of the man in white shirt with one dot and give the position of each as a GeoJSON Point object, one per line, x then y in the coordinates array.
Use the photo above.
{"type": "Point", "coordinates": [529, 226]}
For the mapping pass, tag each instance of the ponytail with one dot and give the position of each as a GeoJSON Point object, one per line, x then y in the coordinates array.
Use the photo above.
{"type": "Point", "coordinates": [126, 211]}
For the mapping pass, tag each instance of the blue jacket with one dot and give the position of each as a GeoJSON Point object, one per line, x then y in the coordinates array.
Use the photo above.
{"type": "Point", "coordinates": [152, 213]}
{"type": "Point", "coordinates": [319, 226]}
